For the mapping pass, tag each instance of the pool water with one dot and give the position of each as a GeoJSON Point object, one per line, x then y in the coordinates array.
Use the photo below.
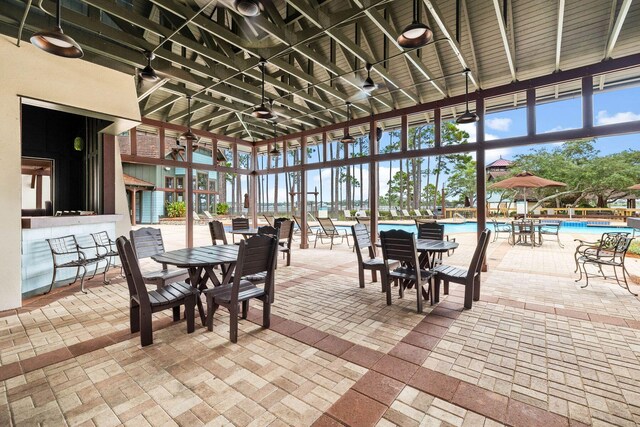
{"type": "Point", "coordinates": [470, 227]}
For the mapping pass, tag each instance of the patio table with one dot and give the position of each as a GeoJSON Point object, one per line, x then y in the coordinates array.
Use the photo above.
{"type": "Point", "coordinates": [200, 263]}
{"type": "Point", "coordinates": [245, 232]}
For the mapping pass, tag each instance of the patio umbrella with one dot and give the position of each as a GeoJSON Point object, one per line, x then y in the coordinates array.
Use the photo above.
{"type": "Point", "coordinates": [635, 187]}
{"type": "Point", "coordinates": [525, 180]}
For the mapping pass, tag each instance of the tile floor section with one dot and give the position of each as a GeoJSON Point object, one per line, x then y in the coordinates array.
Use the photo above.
{"type": "Point", "coordinates": [535, 350]}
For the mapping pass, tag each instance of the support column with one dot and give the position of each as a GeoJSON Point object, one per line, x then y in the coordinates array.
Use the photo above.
{"type": "Point", "coordinates": [481, 192]}
{"type": "Point", "coordinates": [587, 102]}
{"type": "Point", "coordinates": [253, 189]}
{"type": "Point", "coordinates": [109, 174]}
{"type": "Point", "coordinates": [304, 243]}
{"type": "Point", "coordinates": [404, 133]}
{"type": "Point", "coordinates": [188, 192]}
{"type": "Point", "coordinates": [531, 112]}
{"type": "Point", "coordinates": [373, 180]}
{"type": "Point", "coordinates": [132, 206]}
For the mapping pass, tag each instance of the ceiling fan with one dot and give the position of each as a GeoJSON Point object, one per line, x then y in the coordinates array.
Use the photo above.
{"type": "Point", "coordinates": [367, 86]}
{"type": "Point", "coordinates": [148, 77]}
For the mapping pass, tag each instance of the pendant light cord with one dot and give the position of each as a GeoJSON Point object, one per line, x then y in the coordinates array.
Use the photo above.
{"type": "Point", "coordinates": [415, 10]}
{"type": "Point", "coordinates": [58, 10]}
{"type": "Point", "coordinates": [262, 68]}
{"type": "Point", "coordinates": [466, 88]}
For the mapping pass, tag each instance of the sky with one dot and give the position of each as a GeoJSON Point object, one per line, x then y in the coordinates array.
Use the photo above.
{"type": "Point", "coordinates": [613, 106]}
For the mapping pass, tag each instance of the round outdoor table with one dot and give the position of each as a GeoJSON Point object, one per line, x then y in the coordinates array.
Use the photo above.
{"type": "Point", "coordinates": [200, 263]}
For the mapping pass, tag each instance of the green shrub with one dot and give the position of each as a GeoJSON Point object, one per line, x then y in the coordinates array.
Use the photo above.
{"type": "Point", "coordinates": [222, 209]}
{"type": "Point", "coordinates": [635, 247]}
{"type": "Point", "coordinates": [176, 209]}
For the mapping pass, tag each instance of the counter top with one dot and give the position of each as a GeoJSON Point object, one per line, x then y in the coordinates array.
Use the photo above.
{"type": "Point", "coordinates": [65, 221]}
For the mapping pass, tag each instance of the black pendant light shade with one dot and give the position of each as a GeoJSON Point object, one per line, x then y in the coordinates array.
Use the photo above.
{"type": "Point", "coordinates": [415, 34]}
{"type": "Point", "coordinates": [248, 7]}
{"type": "Point", "coordinates": [467, 117]}
{"type": "Point", "coordinates": [262, 112]}
{"type": "Point", "coordinates": [56, 42]}
{"type": "Point", "coordinates": [347, 138]}
{"type": "Point", "coordinates": [189, 136]}
{"type": "Point", "coordinates": [148, 74]}
{"type": "Point", "coordinates": [368, 84]}
{"type": "Point", "coordinates": [275, 150]}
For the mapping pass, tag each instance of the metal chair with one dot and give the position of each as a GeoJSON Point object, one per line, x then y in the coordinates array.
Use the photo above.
{"type": "Point", "coordinates": [500, 228]}
{"type": "Point", "coordinates": [610, 253]}
{"type": "Point", "coordinates": [142, 304]}
{"type": "Point", "coordinates": [329, 231]}
{"type": "Point", "coordinates": [104, 243]}
{"type": "Point", "coordinates": [550, 229]}
{"type": "Point", "coordinates": [67, 253]}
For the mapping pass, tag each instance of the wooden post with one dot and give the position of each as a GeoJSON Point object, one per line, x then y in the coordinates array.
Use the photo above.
{"type": "Point", "coordinates": [253, 190]}
{"type": "Point", "coordinates": [188, 192]}
{"type": "Point", "coordinates": [587, 101]}
{"type": "Point", "coordinates": [108, 174]}
{"type": "Point", "coordinates": [481, 193]}
{"type": "Point", "coordinates": [133, 206]}
{"type": "Point", "coordinates": [404, 133]}
{"type": "Point", "coordinates": [304, 244]}
{"type": "Point", "coordinates": [531, 112]}
{"type": "Point", "coordinates": [373, 180]}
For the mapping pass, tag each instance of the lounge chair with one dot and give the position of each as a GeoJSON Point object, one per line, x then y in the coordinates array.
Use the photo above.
{"type": "Point", "coordinates": [347, 214]}
{"type": "Point", "coordinates": [329, 231]}
{"type": "Point", "coordinates": [310, 231]}
{"type": "Point", "coordinates": [406, 214]}
{"type": "Point", "coordinates": [208, 215]}
{"type": "Point", "coordinates": [393, 213]}
{"type": "Point", "coordinates": [417, 213]}
{"type": "Point", "coordinates": [197, 219]}
{"type": "Point", "coordinates": [269, 220]}
{"type": "Point", "coordinates": [430, 214]}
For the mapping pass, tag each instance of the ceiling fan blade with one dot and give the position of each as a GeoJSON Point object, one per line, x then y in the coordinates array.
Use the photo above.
{"type": "Point", "coordinates": [358, 96]}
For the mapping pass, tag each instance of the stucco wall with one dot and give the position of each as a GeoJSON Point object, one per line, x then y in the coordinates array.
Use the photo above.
{"type": "Point", "coordinates": [29, 72]}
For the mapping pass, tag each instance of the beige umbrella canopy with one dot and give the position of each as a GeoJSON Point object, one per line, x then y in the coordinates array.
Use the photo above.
{"type": "Point", "coordinates": [526, 180]}
{"type": "Point", "coordinates": [635, 187]}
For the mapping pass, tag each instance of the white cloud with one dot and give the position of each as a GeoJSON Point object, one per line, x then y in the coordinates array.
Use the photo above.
{"type": "Point", "coordinates": [603, 117]}
{"type": "Point", "coordinates": [556, 129]}
{"type": "Point", "coordinates": [471, 129]}
{"type": "Point", "coordinates": [499, 123]}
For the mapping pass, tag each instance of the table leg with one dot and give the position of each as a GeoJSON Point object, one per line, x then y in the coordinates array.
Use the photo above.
{"type": "Point", "coordinates": [195, 276]}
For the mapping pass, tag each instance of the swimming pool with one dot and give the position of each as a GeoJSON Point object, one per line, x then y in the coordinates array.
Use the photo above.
{"type": "Point", "coordinates": [470, 227]}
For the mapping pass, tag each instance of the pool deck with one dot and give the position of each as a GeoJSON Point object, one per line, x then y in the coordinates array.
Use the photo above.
{"type": "Point", "coordinates": [537, 349]}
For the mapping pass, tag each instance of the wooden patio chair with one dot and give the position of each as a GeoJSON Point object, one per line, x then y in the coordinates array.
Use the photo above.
{"type": "Point", "coordinates": [67, 253]}
{"type": "Point", "coordinates": [610, 253]}
{"type": "Point", "coordinates": [146, 243]}
{"type": "Point", "coordinates": [366, 221]}
{"type": "Point", "coordinates": [400, 246]}
{"type": "Point", "coordinates": [500, 228]}
{"type": "Point", "coordinates": [470, 277]}
{"type": "Point", "coordinates": [366, 252]}
{"type": "Point", "coordinates": [106, 248]}
{"type": "Point", "coordinates": [285, 227]}
{"type": "Point", "coordinates": [216, 229]}
{"type": "Point", "coordinates": [238, 224]}
{"type": "Point", "coordinates": [255, 255]}
{"type": "Point", "coordinates": [329, 231]}
{"type": "Point", "coordinates": [430, 229]}
{"type": "Point", "coordinates": [142, 304]}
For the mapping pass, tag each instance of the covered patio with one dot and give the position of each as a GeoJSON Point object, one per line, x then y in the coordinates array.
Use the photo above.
{"type": "Point", "coordinates": [204, 102]}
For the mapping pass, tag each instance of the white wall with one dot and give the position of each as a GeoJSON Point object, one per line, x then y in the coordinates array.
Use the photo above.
{"type": "Point", "coordinates": [27, 71]}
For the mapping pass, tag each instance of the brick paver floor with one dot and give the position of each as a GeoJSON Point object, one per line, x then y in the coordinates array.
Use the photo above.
{"type": "Point", "coordinates": [537, 349]}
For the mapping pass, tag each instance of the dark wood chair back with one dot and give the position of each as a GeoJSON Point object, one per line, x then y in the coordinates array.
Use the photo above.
{"type": "Point", "coordinates": [240, 223]}
{"type": "Point", "coordinates": [478, 255]}
{"type": "Point", "coordinates": [430, 230]}
{"type": "Point", "coordinates": [146, 242]}
{"type": "Point", "coordinates": [131, 269]}
{"type": "Point", "coordinates": [255, 255]}
{"type": "Point", "coordinates": [267, 230]}
{"type": "Point", "coordinates": [285, 226]}
{"type": "Point", "coordinates": [399, 245]}
{"type": "Point", "coordinates": [362, 241]}
{"type": "Point", "coordinates": [217, 232]}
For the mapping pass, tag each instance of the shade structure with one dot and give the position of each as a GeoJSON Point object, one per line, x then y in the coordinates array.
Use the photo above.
{"type": "Point", "coordinates": [525, 180]}
{"type": "Point", "coordinates": [635, 187]}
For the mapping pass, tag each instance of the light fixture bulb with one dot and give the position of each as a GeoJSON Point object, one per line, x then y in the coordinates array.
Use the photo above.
{"type": "Point", "coordinates": [248, 7]}
{"type": "Point", "coordinates": [347, 139]}
{"type": "Point", "coordinates": [415, 35]}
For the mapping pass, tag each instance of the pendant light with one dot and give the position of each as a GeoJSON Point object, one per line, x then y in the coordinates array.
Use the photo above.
{"type": "Point", "coordinates": [347, 138]}
{"type": "Point", "coordinates": [248, 7]}
{"type": "Point", "coordinates": [189, 136]}
{"type": "Point", "coordinates": [148, 74]}
{"type": "Point", "coordinates": [262, 112]}
{"type": "Point", "coordinates": [275, 151]}
{"type": "Point", "coordinates": [415, 34]}
{"type": "Point", "coordinates": [467, 117]}
{"type": "Point", "coordinates": [55, 41]}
